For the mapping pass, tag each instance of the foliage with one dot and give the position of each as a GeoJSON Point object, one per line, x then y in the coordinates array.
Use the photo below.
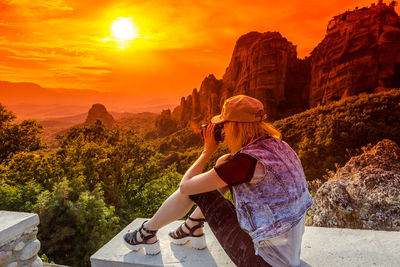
{"type": "Point", "coordinates": [99, 179]}
{"type": "Point", "coordinates": [19, 197]}
{"type": "Point", "coordinates": [44, 258]}
{"type": "Point", "coordinates": [165, 124]}
{"type": "Point", "coordinates": [64, 223]}
{"type": "Point", "coordinates": [179, 141]}
{"type": "Point", "coordinates": [186, 159]}
{"type": "Point", "coordinates": [142, 123]}
{"type": "Point", "coordinates": [121, 162]}
{"type": "Point", "coordinates": [38, 166]}
{"type": "Point", "coordinates": [154, 193]}
{"type": "Point", "coordinates": [75, 188]}
{"type": "Point", "coordinates": [14, 137]}
{"type": "Point", "coordinates": [5, 116]}
{"type": "Point", "coordinates": [326, 135]}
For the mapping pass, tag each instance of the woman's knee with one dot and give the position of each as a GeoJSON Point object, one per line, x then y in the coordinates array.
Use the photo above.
{"type": "Point", "coordinates": [180, 195]}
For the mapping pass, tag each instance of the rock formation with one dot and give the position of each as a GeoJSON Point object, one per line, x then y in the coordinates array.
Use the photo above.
{"type": "Point", "coordinates": [164, 123]}
{"type": "Point", "coordinates": [263, 65]}
{"type": "Point", "coordinates": [364, 194]}
{"type": "Point", "coordinates": [200, 104]}
{"type": "Point", "coordinates": [360, 53]}
{"type": "Point", "coordinates": [99, 112]}
{"type": "Point", "coordinates": [259, 68]}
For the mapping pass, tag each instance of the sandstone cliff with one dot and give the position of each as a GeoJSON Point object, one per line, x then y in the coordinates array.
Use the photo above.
{"type": "Point", "coordinates": [360, 53]}
{"type": "Point", "coordinates": [364, 194]}
{"type": "Point", "coordinates": [263, 65]}
{"type": "Point", "coordinates": [99, 112]}
{"type": "Point", "coordinates": [260, 67]}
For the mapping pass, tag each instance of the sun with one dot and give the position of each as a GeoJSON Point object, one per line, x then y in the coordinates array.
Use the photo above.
{"type": "Point", "coordinates": [123, 29]}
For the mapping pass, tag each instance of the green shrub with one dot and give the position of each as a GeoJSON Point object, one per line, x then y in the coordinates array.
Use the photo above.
{"type": "Point", "coordinates": [178, 141]}
{"type": "Point", "coordinates": [19, 197]}
{"type": "Point", "coordinates": [71, 231]}
{"type": "Point", "coordinates": [14, 137]}
{"type": "Point", "coordinates": [329, 134]}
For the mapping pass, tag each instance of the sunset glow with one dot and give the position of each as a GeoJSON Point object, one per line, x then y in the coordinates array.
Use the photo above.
{"type": "Point", "coordinates": [159, 48]}
{"type": "Point", "coordinates": [123, 29]}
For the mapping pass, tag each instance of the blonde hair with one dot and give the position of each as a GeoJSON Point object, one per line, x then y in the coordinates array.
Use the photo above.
{"type": "Point", "coordinates": [239, 134]}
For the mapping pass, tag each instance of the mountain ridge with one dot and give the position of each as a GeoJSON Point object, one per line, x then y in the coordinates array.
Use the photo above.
{"type": "Point", "coordinates": [359, 53]}
{"type": "Point", "coordinates": [42, 101]}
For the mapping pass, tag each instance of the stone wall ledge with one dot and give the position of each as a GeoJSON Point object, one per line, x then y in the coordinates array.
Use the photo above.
{"type": "Point", "coordinates": [18, 243]}
{"type": "Point", "coordinates": [320, 247]}
{"type": "Point", "coordinates": [13, 224]}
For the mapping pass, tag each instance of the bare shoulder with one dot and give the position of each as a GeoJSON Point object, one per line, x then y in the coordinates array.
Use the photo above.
{"type": "Point", "coordinates": [222, 158]}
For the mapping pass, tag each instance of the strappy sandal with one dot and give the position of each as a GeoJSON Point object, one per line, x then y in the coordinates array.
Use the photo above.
{"type": "Point", "coordinates": [131, 242]}
{"type": "Point", "coordinates": [179, 237]}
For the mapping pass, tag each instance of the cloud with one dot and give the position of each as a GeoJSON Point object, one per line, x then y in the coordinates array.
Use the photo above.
{"type": "Point", "coordinates": [48, 4]}
{"type": "Point", "coordinates": [60, 43]}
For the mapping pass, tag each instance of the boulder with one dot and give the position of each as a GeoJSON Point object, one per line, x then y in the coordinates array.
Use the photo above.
{"type": "Point", "coordinates": [364, 193]}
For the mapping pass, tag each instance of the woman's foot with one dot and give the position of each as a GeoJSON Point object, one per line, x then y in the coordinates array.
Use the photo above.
{"type": "Point", "coordinates": [190, 230]}
{"type": "Point", "coordinates": [142, 237]}
{"type": "Point", "coordinates": [191, 224]}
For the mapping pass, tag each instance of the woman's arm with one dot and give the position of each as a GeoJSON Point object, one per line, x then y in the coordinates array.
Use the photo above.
{"type": "Point", "coordinates": [195, 182]}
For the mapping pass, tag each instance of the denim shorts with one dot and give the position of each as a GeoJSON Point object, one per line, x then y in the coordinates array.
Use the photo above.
{"type": "Point", "coordinates": [283, 250]}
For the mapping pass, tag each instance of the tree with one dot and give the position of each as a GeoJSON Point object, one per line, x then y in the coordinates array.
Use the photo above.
{"type": "Point", "coordinates": [70, 231]}
{"type": "Point", "coordinates": [95, 132]}
{"type": "Point", "coordinates": [119, 161]}
{"type": "Point", "coordinates": [19, 197]}
{"type": "Point", "coordinates": [5, 115]}
{"type": "Point", "coordinates": [37, 167]}
{"type": "Point", "coordinates": [15, 137]}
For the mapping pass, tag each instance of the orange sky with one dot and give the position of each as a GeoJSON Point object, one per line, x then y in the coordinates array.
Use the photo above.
{"type": "Point", "coordinates": [66, 43]}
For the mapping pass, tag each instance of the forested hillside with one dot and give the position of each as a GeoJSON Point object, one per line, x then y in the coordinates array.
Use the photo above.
{"type": "Point", "coordinates": [100, 178]}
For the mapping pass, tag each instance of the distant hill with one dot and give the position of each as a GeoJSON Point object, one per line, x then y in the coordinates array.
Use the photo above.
{"type": "Point", "coordinates": [142, 123]}
{"type": "Point", "coordinates": [30, 100]}
{"type": "Point", "coordinates": [80, 118]}
{"type": "Point", "coordinates": [60, 121]}
{"type": "Point", "coordinates": [99, 112]}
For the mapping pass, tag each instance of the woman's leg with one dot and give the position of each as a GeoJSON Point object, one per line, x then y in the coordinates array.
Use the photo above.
{"type": "Point", "coordinates": [175, 207]}
{"type": "Point", "coordinates": [220, 215]}
{"type": "Point", "coordinates": [197, 214]}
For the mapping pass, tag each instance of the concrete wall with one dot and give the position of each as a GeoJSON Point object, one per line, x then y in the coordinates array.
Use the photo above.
{"type": "Point", "coordinates": [320, 247]}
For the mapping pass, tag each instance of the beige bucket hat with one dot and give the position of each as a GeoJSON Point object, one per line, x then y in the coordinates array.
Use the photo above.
{"type": "Point", "coordinates": [240, 108]}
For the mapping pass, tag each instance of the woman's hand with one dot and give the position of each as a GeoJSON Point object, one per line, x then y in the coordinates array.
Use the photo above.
{"type": "Point", "coordinates": [210, 145]}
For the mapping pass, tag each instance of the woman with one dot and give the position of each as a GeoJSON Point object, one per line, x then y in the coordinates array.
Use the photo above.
{"type": "Point", "coordinates": [266, 178]}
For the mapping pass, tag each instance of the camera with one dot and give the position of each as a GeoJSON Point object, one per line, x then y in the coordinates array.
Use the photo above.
{"type": "Point", "coordinates": [218, 136]}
